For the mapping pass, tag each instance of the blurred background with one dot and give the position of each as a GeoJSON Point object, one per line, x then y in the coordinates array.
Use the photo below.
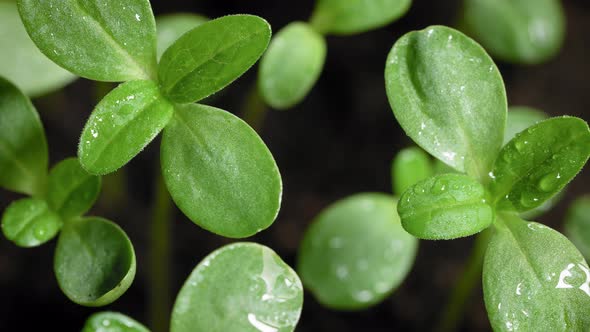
{"type": "Point", "coordinates": [339, 141]}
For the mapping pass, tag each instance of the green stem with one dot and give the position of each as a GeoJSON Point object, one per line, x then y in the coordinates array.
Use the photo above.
{"type": "Point", "coordinates": [255, 108]}
{"type": "Point", "coordinates": [160, 256]}
{"type": "Point", "coordinates": [463, 289]}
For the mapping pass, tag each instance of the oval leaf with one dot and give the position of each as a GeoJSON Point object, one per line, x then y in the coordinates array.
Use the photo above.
{"type": "Point", "coordinates": [539, 162]}
{"type": "Point", "coordinates": [444, 207]}
{"type": "Point", "coordinates": [292, 65]}
{"type": "Point", "coordinates": [521, 31]}
{"type": "Point", "coordinates": [355, 16]}
{"type": "Point", "coordinates": [410, 166]}
{"type": "Point", "coordinates": [23, 148]}
{"type": "Point", "coordinates": [112, 322]}
{"type": "Point", "coordinates": [94, 261]}
{"type": "Point", "coordinates": [211, 56]}
{"type": "Point", "coordinates": [355, 253]}
{"type": "Point", "coordinates": [170, 27]}
{"type": "Point", "coordinates": [21, 61]}
{"type": "Point", "coordinates": [534, 279]}
{"type": "Point", "coordinates": [448, 96]}
{"type": "Point", "coordinates": [29, 222]}
{"type": "Point", "coordinates": [577, 224]}
{"type": "Point", "coordinates": [71, 191]}
{"type": "Point", "coordinates": [520, 118]}
{"type": "Point", "coordinates": [122, 124]}
{"type": "Point", "coordinates": [219, 172]}
{"type": "Point", "coordinates": [240, 287]}
{"type": "Point", "coordinates": [103, 40]}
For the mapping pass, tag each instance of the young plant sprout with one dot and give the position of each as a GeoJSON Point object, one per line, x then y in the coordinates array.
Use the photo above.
{"type": "Point", "coordinates": [448, 96]}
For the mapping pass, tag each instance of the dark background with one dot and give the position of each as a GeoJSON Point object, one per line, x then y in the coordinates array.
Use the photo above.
{"type": "Point", "coordinates": [338, 142]}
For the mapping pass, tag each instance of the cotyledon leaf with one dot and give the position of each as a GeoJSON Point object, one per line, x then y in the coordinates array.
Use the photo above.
{"type": "Point", "coordinates": [356, 16]}
{"type": "Point", "coordinates": [240, 287]}
{"type": "Point", "coordinates": [539, 162]}
{"type": "Point", "coordinates": [29, 222]}
{"type": "Point", "coordinates": [71, 191]}
{"type": "Point", "coordinates": [219, 172]}
{"type": "Point", "coordinates": [122, 124]}
{"type": "Point", "coordinates": [21, 61]}
{"type": "Point", "coordinates": [103, 40]}
{"type": "Point", "coordinates": [23, 148]}
{"type": "Point", "coordinates": [108, 321]}
{"type": "Point", "coordinates": [211, 56]}
{"type": "Point", "coordinates": [577, 224]}
{"type": "Point", "coordinates": [410, 166]}
{"type": "Point", "coordinates": [94, 261]}
{"type": "Point", "coordinates": [170, 27]}
{"type": "Point", "coordinates": [445, 206]}
{"type": "Point", "coordinates": [291, 65]}
{"type": "Point", "coordinates": [520, 118]}
{"type": "Point", "coordinates": [355, 253]}
{"type": "Point", "coordinates": [534, 279]}
{"type": "Point", "coordinates": [448, 96]}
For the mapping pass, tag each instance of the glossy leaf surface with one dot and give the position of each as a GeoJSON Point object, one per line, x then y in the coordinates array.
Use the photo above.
{"type": "Point", "coordinates": [448, 96]}
{"type": "Point", "coordinates": [29, 222]}
{"type": "Point", "coordinates": [444, 207]}
{"type": "Point", "coordinates": [219, 172]}
{"type": "Point", "coordinates": [520, 118]}
{"type": "Point", "coordinates": [410, 166]}
{"type": "Point", "coordinates": [23, 148]}
{"type": "Point", "coordinates": [21, 61]}
{"type": "Point", "coordinates": [240, 287]}
{"type": "Point", "coordinates": [103, 40]}
{"type": "Point", "coordinates": [170, 27]}
{"type": "Point", "coordinates": [71, 191]}
{"type": "Point", "coordinates": [211, 56]}
{"type": "Point", "coordinates": [94, 261]}
{"type": "Point", "coordinates": [355, 16]}
{"type": "Point", "coordinates": [356, 252]}
{"type": "Point", "coordinates": [577, 224]}
{"type": "Point", "coordinates": [539, 162]}
{"type": "Point", "coordinates": [291, 65]}
{"type": "Point", "coordinates": [534, 279]}
{"type": "Point", "coordinates": [520, 31]}
{"type": "Point", "coordinates": [122, 124]}
{"type": "Point", "coordinates": [112, 322]}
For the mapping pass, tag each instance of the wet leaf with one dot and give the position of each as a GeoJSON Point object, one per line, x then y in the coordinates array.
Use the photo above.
{"type": "Point", "coordinates": [444, 207]}
{"type": "Point", "coordinates": [94, 261]}
{"type": "Point", "coordinates": [410, 166]}
{"type": "Point", "coordinates": [520, 118]}
{"type": "Point", "coordinates": [577, 224]}
{"type": "Point", "coordinates": [534, 279]}
{"type": "Point", "coordinates": [356, 253]}
{"type": "Point", "coordinates": [112, 322]}
{"type": "Point", "coordinates": [170, 27]}
{"type": "Point", "coordinates": [449, 97]}
{"type": "Point", "coordinates": [292, 65]}
{"type": "Point", "coordinates": [29, 222]}
{"type": "Point", "coordinates": [240, 287]}
{"type": "Point", "coordinates": [219, 172]}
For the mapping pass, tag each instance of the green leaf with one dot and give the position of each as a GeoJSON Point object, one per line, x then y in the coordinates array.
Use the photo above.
{"type": "Point", "coordinates": [445, 207]}
{"type": "Point", "coordinates": [355, 16]}
{"type": "Point", "coordinates": [534, 279]}
{"type": "Point", "coordinates": [112, 322]}
{"type": "Point", "coordinates": [94, 261]}
{"type": "Point", "coordinates": [28, 222]}
{"type": "Point", "coordinates": [410, 166]}
{"type": "Point", "coordinates": [122, 124]}
{"type": "Point", "coordinates": [102, 40]}
{"type": "Point", "coordinates": [240, 287]}
{"type": "Point", "coordinates": [355, 253]}
{"type": "Point", "coordinates": [520, 118]}
{"type": "Point", "coordinates": [521, 31]}
{"type": "Point", "coordinates": [21, 61]}
{"type": "Point", "coordinates": [71, 191]}
{"type": "Point", "coordinates": [23, 148]}
{"type": "Point", "coordinates": [219, 172]}
{"type": "Point", "coordinates": [170, 27]}
{"type": "Point", "coordinates": [211, 56]}
{"type": "Point", "coordinates": [577, 224]}
{"type": "Point", "coordinates": [292, 65]}
{"type": "Point", "coordinates": [539, 162]}
{"type": "Point", "coordinates": [448, 96]}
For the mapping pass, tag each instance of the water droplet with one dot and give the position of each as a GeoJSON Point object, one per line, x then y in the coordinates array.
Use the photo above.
{"type": "Point", "coordinates": [259, 325]}
{"type": "Point", "coordinates": [137, 17]}
{"type": "Point", "coordinates": [519, 145]}
{"type": "Point", "coordinates": [363, 296]}
{"type": "Point", "coordinates": [549, 182]}
{"type": "Point", "coordinates": [40, 231]}
{"type": "Point", "coordinates": [106, 322]}
{"type": "Point", "coordinates": [439, 186]}
{"type": "Point", "coordinates": [529, 200]}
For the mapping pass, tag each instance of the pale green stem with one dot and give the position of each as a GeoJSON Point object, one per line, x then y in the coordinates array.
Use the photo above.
{"type": "Point", "coordinates": [255, 108]}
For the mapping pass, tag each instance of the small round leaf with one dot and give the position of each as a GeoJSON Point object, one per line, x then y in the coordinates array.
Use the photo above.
{"type": "Point", "coordinates": [170, 27]}
{"type": "Point", "coordinates": [410, 166]}
{"type": "Point", "coordinates": [29, 222]}
{"type": "Point", "coordinates": [112, 322]}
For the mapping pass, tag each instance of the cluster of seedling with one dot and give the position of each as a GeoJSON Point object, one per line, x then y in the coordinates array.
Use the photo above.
{"type": "Point", "coordinates": [494, 168]}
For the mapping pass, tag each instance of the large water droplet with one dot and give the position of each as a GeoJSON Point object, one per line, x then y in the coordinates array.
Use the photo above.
{"type": "Point", "coordinates": [549, 182]}
{"type": "Point", "coordinates": [529, 200]}
{"type": "Point", "coordinates": [439, 186]}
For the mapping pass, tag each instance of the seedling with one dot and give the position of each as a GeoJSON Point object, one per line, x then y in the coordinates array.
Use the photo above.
{"type": "Point", "coordinates": [449, 97]}
{"type": "Point", "coordinates": [94, 260]}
